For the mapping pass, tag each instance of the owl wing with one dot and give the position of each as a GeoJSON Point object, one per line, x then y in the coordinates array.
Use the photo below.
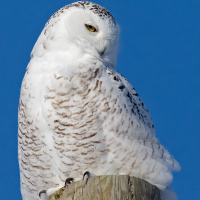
{"type": "Point", "coordinates": [131, 129]}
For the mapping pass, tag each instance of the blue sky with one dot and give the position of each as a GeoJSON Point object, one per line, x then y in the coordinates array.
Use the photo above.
{"type": "Point", "coordinates": [159, 54]}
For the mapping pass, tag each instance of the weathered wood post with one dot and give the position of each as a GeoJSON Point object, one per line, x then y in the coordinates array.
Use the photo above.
{"type": "Point", "coordinates": [122, 187]}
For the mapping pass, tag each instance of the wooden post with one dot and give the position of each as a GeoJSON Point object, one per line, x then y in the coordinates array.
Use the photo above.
{"type": "Point", "coordinates": [122, 187]}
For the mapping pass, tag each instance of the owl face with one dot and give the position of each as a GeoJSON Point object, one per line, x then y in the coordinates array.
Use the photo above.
{"type": "Point", "coordinates": [92, 34]}
{"type": "Point", "coordinates": [82, 30]}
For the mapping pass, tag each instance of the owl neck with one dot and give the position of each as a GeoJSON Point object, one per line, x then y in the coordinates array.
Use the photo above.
{"type": "Point", "coordinates": [64, 63]}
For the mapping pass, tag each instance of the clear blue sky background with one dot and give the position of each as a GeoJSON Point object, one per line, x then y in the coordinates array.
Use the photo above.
{"type": "Point", "coordinates": [159, 54]}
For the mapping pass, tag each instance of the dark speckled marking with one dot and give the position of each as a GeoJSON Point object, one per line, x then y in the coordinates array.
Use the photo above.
{"type": "Point", "coordinates": [128, 95]}
{"type": "Point", "coordinates": [96, 9]}
{"type": "Point", "coordinates": [121, 87]}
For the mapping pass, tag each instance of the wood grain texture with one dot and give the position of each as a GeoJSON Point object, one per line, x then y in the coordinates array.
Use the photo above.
{"type": "Point", "coordinates": [111, 187]}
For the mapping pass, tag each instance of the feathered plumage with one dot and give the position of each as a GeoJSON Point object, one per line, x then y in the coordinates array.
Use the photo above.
{"type": "Point", "coordinates": [77, 113]}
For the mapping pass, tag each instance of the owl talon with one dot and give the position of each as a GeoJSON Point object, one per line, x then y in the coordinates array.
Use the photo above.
{"type": "Point", "coordinates": [69, 181]}
{"type": "Point", "coordinates": [86, 176]}
{"type": "Point", "coordinates": [41, 192]}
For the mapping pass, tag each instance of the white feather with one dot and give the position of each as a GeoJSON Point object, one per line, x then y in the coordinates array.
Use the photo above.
{"type": "Point", "coordinates": [77, 113]}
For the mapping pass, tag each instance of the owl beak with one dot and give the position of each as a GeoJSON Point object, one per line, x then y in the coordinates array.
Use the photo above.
{"type": "Point", "coordinates": [102, 52]}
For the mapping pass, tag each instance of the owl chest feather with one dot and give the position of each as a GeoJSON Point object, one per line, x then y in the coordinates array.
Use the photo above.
{"type": "Point", "coordinates": [60, 128]}
{"type": "Point", "coordinates": [74, 115]}
{"type": "Point", "coordinates": [73, 108]}
{"type": "Point", "coordinates": [80, 122]}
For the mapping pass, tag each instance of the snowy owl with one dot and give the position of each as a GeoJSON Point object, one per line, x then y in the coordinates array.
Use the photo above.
{"type": "Point", "coordinates": [78, 114]}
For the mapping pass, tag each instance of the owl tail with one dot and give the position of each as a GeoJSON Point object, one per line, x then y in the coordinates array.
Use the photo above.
{"type": "Point", "coordinates": [167, 194]}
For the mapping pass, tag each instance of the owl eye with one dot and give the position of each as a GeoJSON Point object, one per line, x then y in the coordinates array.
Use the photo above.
{"type": "Point", "coordinates": [91, 28]}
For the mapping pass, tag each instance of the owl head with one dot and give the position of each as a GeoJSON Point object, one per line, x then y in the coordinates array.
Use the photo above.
{"type": "Point", "coordinates": [82, 28]}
